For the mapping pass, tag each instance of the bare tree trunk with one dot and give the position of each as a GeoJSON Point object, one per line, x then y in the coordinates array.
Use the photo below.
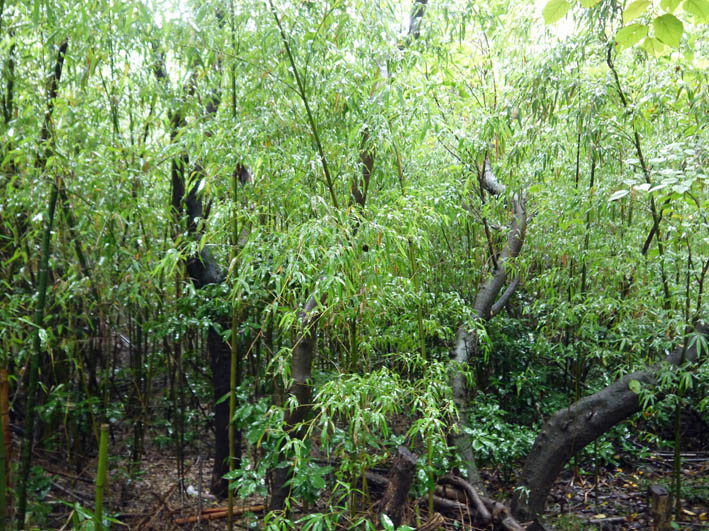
{"type": "Point", "coordinates": [301, 369]}
{"type": "Point", "coordinates": [401, 476]}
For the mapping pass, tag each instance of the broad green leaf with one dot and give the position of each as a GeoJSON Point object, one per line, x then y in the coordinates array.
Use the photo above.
{"type": "Point", "coordinates": [634, 386]}
{"type": "Point", "coordinates": [668, 29]}
{"type": "Point", "coordinates": [653, 47]}
{"type": "Point", "coordinates": [634, 10]}
{"type": "Point", "coordinates": [698, 8]}
{"type": "Point", "coordinates": [669, 5]}
{"type": "Point", "coordinates": [555, 10]}
{"type": "Point", "coordinates": [630, 35]}
{"type": "Point", "coordinates": [588, 3]}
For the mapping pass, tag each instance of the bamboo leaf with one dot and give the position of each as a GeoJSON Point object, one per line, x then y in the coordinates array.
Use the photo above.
{"type": "Point", "coordinates": [618, 195]}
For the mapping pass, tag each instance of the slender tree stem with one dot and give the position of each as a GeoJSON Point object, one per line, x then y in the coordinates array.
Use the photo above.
{"type": "Point", "coordinates": [304, 98]}
{"type": "Point", "coordinates": [656, 218]}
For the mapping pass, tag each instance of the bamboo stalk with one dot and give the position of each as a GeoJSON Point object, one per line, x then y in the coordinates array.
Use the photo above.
{"type": "Point", "coordinates": [232, 409]}
{"type": "Point", "coordinates": [34, 359]}
{"type": "Point", "coordinates": [101, 476]}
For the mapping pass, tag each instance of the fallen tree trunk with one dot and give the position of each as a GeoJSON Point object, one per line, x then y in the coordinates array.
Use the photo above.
{"type": "Point", "coordinates": [570, 429]}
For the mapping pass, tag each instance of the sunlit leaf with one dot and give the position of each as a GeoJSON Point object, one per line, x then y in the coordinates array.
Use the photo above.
{"type": "Point", "coordinates": [698, 8]}
{"type": "Point", "coordinates": [653, 47]}
{"type": "Point", "coordinates": [631, 35]}
{"type": "Point", "coordinates": [668, 29]}
{"type": "Point", "coordinates": [555, 10]}
{"type": "Point", "coordinates": [634, 10]}
{"type": "Point", "coordinates": [669, 5]}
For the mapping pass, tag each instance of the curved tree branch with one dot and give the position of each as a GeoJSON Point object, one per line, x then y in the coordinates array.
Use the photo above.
{"type": "Point", "coordinates": [466, 342]}
{"type": "Point", "coordinates": [570, 429]}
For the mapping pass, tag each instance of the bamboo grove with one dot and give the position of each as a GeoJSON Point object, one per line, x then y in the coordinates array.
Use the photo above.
{"type": "Point", "coordinates": [312, 242]}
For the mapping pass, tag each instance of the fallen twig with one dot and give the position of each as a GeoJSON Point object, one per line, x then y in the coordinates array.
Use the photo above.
{"type": "Point", "coordinates": [432, 523]}
{"type": "Point", "coordinates": [213, 513]}
{"type": "Point", "coordinates": [163, 502]}
{"type": "Point", "coordinates": [484, 515]}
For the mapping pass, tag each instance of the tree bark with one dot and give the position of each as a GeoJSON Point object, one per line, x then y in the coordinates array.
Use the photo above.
{"type": "Point", "coordinates": [401, 476]}
{"type": "Point", "coordinates": [203, 270]}
{"type": "Point", "coordinates": [466, 342]}
{"type": "Point", "coordinates": [570, 429]}
{"type": "Point", "coordinates": [301, 369]}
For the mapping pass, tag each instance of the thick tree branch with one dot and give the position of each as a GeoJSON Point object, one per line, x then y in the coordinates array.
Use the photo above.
{"type": "Point", "coordinates": [497, 307]}
{"type": "Point", "coordinates": [416, 17]}
{"type": "Point", "coordinates": [569, 430]}
{"type": "Point", "coordinates": [489, 181]}
{"type": "Point", "coordinates": [487, 293]}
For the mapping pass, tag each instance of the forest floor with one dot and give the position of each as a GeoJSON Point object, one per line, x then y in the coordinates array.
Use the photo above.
{"type": "Point", "coordinates": [151, 500]}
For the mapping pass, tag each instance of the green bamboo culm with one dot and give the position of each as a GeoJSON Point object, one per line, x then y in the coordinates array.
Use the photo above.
{"type": "Point", "coordinates": [101, 477]}
{"type": "Point", "coordinates": [232, 408]}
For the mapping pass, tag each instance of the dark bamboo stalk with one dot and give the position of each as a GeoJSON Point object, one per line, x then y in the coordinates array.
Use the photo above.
{"type": "Point", "coordinates": [4, 447]}
{"type": "Point", "coordinates": [33, 376]}
{"type": "Point", "coordinates": [656, 217]}
{"type": "Point", "coordinates": [235, 365]}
